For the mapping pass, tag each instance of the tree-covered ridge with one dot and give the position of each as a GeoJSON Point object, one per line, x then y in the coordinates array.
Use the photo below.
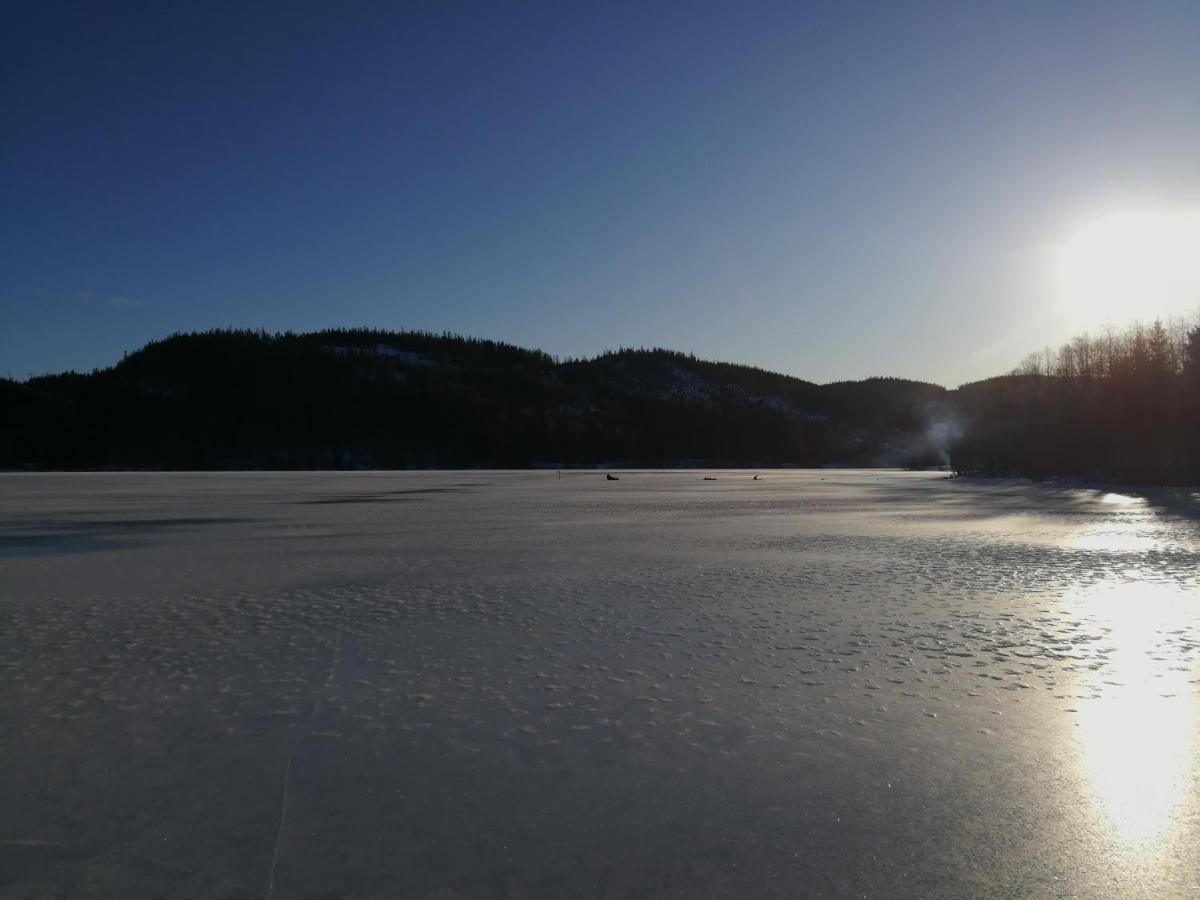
{"type": "Point", "coordinates": [1123, 406]}
{"type": "Point", "coordinates": [366, 397]}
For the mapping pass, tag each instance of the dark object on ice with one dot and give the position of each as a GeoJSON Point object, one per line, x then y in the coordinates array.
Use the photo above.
{"type": "Point", "coordinates": [611, 478]}
{"type": "Point", "coordinates": [709, 478]}
{"type": "Point", "coordinates": [756, 478]}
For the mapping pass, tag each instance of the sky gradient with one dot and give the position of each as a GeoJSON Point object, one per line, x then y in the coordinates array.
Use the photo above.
{"type": "Point", "coordinates": [828, 190]}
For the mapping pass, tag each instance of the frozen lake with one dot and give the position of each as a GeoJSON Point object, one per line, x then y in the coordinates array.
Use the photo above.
{"type": "Point", "coordinates": [510, 684]}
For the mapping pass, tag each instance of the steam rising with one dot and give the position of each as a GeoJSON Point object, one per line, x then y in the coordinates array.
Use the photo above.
{"type": "Point", "coordinates": [944, 426]}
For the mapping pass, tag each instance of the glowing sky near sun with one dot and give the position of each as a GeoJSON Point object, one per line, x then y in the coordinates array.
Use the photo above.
{"type": "Point", "coordinates": [1125, 265]}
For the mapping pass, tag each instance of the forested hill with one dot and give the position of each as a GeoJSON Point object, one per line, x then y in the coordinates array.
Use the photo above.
{"type": "Point", "coordinates": [1123, 406]}
{"type": "Point", "coordinates": [366, 398]}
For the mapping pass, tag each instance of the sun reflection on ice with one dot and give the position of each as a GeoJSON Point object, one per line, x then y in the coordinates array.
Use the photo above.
{"type": "Point", "coordinates": [1114, 499]}
{"type": "Point", "coordinates": [1138, 730]}
{"type": "Point", "coordinates": [1130, 527]}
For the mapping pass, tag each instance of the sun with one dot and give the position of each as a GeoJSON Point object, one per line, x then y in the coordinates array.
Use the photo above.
{"type": "Point", "coordinates": [1131, 265]}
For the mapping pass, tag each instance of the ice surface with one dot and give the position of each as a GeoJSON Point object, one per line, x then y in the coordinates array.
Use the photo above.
{"type": "Point", "coordinates": [515, 684]}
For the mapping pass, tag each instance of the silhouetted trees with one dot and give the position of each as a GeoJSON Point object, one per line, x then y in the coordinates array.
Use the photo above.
{"type": "Point", "coordinates": [370, 398]}
{"type": "Point", "coordinates": [1119, 407]}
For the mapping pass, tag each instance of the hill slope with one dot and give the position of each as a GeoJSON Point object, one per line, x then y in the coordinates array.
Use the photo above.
{"type": "Point", "coordinates": [351, 398]}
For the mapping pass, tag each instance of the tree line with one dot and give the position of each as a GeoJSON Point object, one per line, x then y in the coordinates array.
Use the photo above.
{"type": "Point", "coordinates": [352, 398]}
{"type": "Point", "coordinates": [1121, 406]}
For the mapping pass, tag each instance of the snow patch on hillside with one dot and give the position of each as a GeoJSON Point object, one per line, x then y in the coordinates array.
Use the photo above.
{"type": "Point", "coordinates": [404, 356]}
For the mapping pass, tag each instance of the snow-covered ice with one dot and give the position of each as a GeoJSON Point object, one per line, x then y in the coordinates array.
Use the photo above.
{"type": "Point", "coordinates": [479, 684]}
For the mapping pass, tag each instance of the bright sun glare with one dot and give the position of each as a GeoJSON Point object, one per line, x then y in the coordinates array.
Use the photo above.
{"type": "Point", "coordinates": [1139, 736]}
{"type": "Point", "coordinates": [1131, 265]}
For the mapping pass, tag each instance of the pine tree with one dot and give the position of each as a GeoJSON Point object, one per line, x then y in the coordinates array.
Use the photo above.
{"type": "Point", "coordinates": [1158, 345]}
{"type": "Point", "coordinates": [1191, 358]}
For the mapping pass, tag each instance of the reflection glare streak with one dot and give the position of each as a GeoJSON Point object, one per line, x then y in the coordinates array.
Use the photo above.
{"type": "Point", "coordinates": [1114, 499]}
{"type": "Point", "coordinates": [1131, 527]}
{"type": "Point", "coordinates": [1138, 727]}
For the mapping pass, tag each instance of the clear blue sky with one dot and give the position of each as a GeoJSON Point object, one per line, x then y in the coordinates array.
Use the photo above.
{"type": "Point", "coordinates": [829, 190]}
